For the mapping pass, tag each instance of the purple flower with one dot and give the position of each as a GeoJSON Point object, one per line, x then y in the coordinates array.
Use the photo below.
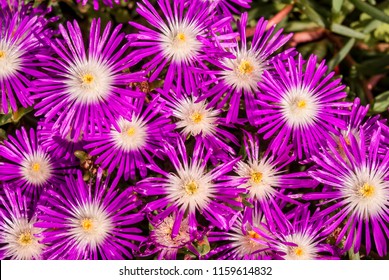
{"type": "Point", "coordinates": [299, 103]}
{"type": "Point", "coordinates": [82, 221]}
{"type": "Point", "coordinates": [300, 237]}
{"type": "Point", "coordinates": [266, 177]}
{"type": "Point", "coordinates": [21, 42]}
{"type": "Point", "coordinates": [192, 189]}
{"type": "Point", "coordinates": [241, 74]}
{"type": "Point", "coordinates": [250, 238]}
{"type": "Point", "coordinates": [196, 118]}
{"type": "Point", "coordinates": [27, 165]}
{"type": "Point", "coordinates": [19, 238]}
{"type": "Point", "coordinates": [357, 191]}
{"type": "Point", "coordinates": [181, 41]}
{"type": "Point", "coordinates": [86, 88]}
{"type": "Point", "coordinates": [133, 145]}
{"type": "Point", "coordinates": [161, 241]}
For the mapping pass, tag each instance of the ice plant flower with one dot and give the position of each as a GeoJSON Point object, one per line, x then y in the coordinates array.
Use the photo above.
{"type": "Point", "coordinates": [133, 146]}
{"type": "Point", "coordinates": [95, 3]}
{"type": "Point", "coordinates": [81, 221]}
{"type": "Point", "coordinates": [190, 189]}
{"type": "Point", "coordinates": [266, 177]}
{"type": "Point", "coordinates": [302, 238]}
{"type": "Point", "coordinates": [359, 191]}
{"type": "Point", "coordinates": [161, 241]}
{"type": "Point", "coordinates": [250, 238]}
{"type": "Point", "coordinates": [299, 103]}
{"type": "Point", "coordinates": [21, 41]}
{"type": "Point", "coordinates": [27, 165]}
{"type": "Point", "coordinates": [180, 41]}
{"type": "Point", "coordinates": [19, 238]}
{"type": "Point", "coordinates": [86, 88]}
{"type": "Point", "coordinates": [196, 118]}
{"type": "Point", "coordinates": [241, 75]}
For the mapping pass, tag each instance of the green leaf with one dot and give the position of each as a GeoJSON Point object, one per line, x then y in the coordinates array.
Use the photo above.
{"type": "Point", "coordinates": [337, 5]}
{"type": "Point", "coordinates": [16, 116]}
{"type": "Point", "coordinates": [4, 119]}
{"type": "Point", "coordinates": [381, 102]}
{"type": "Point", "coordinates": [306, 7]}
{"type": "Point", "coordinates": [3, 134]}
{"type": "Point", "coordinates": [371, 10]}
{"type": "Point", "coordinates": [341, 54]}
{"type": "Point", "coordinates": [346, 31]}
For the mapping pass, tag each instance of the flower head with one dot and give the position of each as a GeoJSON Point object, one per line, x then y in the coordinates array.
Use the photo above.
{"type": "Point", "coordinates": [134, 144]}
{"type": "Point", "coordinates": [82, 221]}
{"type": "Point", "coordinates": [359, 190]}
{"type": "Point", "coordinates": [19, 237]}
{"type": "Point", "coordinates": [242, 73]}
{"type": "Point", "coordinates": [300, 104]}
{"type": "Point", "coordinates": [27, 165]}
{"type": "Point", "coordinates": [86, 87]}
{"type": "Point", "coordinates": [22, 33]}
{"type": "Point", "coordinates": [190, 189]}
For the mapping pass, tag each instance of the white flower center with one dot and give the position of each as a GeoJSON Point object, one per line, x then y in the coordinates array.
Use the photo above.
{"type": "Point", "coordinates": [179, 42]}
{"type": "Point", "coordinates": [89, 81]}
{"type": "Point", "coordinates": [36, 168]}
{"type": "Point", "coordinates": [10, 59]}
{"type": "Point", "coordinates": [366, 192]}
{"type": "Point", "coordinates": [133, 135]}
{"type": "Point", "coordinates": [195, 118]}
{"type": "Point", "coordinates": [262, 178]}
{"type": "Point", "coordinates": [245, 71]}
{"type": "Point", "coordinates": [305, 249]}
{"type": "Point", "coordinates": [299, 107]}
{"type": "Point", "coordinates": [90, 225]}
{"type": "Point", "coordinates": [19, 237]}
{"type": "Point", "coordinates": [163, 233]}
{"type": "Point", "coordinates": [190, 188]}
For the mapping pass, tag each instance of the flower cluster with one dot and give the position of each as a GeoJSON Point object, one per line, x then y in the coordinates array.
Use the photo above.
{"type": "Point", "coordinates": [186, 139]}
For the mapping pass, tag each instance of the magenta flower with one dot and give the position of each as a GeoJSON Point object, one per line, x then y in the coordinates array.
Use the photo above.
{"type": "Point", "coordinates": [358, 191]}
{"type": "Point", "coordinates": [300, 237]}
{"type": "Point", "coordinates": [227, 7]}
{"type": "Point", "coordinates": [22, 32]}
{"type": "Point", "coordinates": [250, 238]}
{"type": "Point", "coordinates": [82, 221]}
{"type": "Point", "coordinates": [27, 165]}
{"type": "Point", "coordinates": [191, 189]}
{"type": "Point", "coordinates": [132, 147]}
{"type": "Point", "coordinates": [242, 73]}
{"type": "Point", "coordinates": [180, 40]}
{"type": "Point", "coordinates": [19, 237]}
{"type": "Point", "coordinates": [86, 87]}
{"type": "Point", "coordinates": [203, 122]}
{"type": "Point", "coordinates": [299, 103]}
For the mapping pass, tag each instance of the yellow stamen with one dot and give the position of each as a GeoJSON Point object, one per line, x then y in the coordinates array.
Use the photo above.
{"type": "Point", "coordinates": [131, 131]}
{"type": "Point", "coordinates": [246, 67]}
{"type": "Point", "coordinates": [256, 177]}
{"type": "Point", "coordinates": [191, 187]}
{"type": "Point", "coordinates": [88, 78]}
{"type": "Point", "coordinates": [298, 251]}
{"type": "Point", "coordinates": [302, 104]}
{"type": "Point", "coordinates": [2, 54]}
{"type": "Point", "coordinates": [87, 224]}
{"type": "Point", "coordinates": [36, 167]}
{"type": "Point", "coordinates": [181, 37]}
{"type": "Point", "coordinates": [196, 117]}
{"type": "Point", "coordinates": [367, 190]}
{"type": "Point", "coordinates": [253, 234]}
{"type": "Point", "coordinates": [25, 238]}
